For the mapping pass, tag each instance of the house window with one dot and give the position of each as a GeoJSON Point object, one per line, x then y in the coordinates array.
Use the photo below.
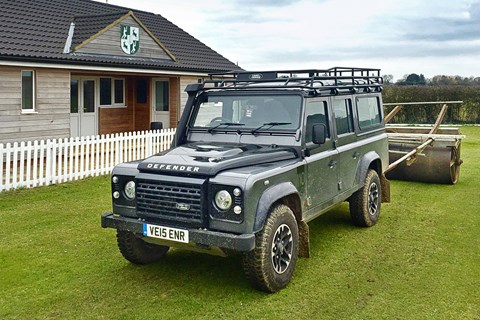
{"type": "Point", "coordinates": [119, 91]}
{"type": "Point", "coordinates": [112, 90]}
{"type": "Point", "coordinates": [142, 91]}
{"type": "Point", "coordinates": [74, 96]}
{"type": "Point", "coordinates": [28, 91]}
{"type": "Point", "coordinates": [161, 96]}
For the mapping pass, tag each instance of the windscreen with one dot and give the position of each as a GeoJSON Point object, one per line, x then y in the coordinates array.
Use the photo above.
{"type": "Point", "coordinates": [271, 112]}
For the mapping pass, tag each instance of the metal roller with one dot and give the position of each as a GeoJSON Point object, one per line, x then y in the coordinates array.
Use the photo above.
{"type": "Point", "coordinates": [435, 164]}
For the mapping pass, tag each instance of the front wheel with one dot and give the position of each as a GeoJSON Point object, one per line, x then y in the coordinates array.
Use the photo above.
{"type": "Point", "coordinates": [365, 203]}
{"type": "Point", "coordinates": [138, 251]}
{"type": "Point", "coordinates": [270, 266]}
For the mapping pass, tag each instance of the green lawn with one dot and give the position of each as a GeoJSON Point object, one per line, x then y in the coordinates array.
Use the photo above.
{"type": "Point", "coordinates": [421, 261]}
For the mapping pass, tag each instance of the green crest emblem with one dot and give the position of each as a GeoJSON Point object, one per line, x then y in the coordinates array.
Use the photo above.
{"type": "Point", "coordinates": [129, 39]}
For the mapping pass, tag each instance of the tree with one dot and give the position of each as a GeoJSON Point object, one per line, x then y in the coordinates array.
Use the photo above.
{"type": "Point", "coordinates": [413, 79]}
{"type": "Point", "coordinates": [387, 78]}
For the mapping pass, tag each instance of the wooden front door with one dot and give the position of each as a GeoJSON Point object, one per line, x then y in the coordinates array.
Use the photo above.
{"type": "Point", "coordinates": [142, 104]}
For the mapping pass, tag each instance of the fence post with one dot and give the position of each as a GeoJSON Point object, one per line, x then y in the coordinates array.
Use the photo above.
{"type": "Point", "coordinates": [35, 181]}
{"type": "Point", "coordinates": [29, 164]}
{"type": "Point", "coordinates": [48, 164]}
{"type": "Point", "coordinates": [22, 164]}
{"type": "Point", "coordinates": [7, 169]}
{"type": "Point", "coordinates": [41, 171]}
{"type": "Point", "coordinates": [148, 147]}
{"type": "Point", "coordinates": [117, 150]}
{"type": "Point", "coordinates": [2, 185]}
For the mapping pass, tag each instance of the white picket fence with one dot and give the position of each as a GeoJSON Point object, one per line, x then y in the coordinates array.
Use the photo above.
{"type": "Point", "coordinates": [40, 163]}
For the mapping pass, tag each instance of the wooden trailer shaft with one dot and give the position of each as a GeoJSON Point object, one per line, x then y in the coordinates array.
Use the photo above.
{"type": "Point", "coordinates": [418, 149]}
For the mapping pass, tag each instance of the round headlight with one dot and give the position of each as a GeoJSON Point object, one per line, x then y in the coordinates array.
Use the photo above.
{"type": "Point", "coordinates": [130, 190]}
{"type": "Point", "coordinates": [223, 200]}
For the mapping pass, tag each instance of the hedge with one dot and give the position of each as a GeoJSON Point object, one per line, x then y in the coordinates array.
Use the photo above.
{"type": "Point", "coordinates": [466, 113]}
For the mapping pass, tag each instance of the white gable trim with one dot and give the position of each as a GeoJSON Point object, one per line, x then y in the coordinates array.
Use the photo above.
{"type": "Point", "coordinates": [99, 69]}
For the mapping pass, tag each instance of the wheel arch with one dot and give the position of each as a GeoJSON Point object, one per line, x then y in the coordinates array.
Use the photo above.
{"type": "Point", "coordinates": [372, 160]}
{"type": "Point", "coordinates": [285, 193]}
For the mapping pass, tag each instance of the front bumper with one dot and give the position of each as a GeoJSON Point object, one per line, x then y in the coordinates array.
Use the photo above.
{"type": "Point", "coordinates": [199, 237]}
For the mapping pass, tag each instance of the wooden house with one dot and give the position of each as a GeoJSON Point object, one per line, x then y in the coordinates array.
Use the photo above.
{"type": "Point", "coordinates": [80, 67]}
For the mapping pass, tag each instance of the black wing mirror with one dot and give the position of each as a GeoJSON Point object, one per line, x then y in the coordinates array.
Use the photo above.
{"type": "Point", "coordinates": [319, 133]}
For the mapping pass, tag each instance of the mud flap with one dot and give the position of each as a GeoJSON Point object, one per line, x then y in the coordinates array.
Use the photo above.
{"type": "Point", "coordinates": [304, 235]}
{"type": "Point", "coordinates": [385, 184]}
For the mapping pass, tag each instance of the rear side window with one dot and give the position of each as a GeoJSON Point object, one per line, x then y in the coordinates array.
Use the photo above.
{"type": "Point", "coordinates": [316, 112]}
{"type": "Point", "coordinates": [368, 110]}
{"type": "Point", "coordinates": [343, 115]}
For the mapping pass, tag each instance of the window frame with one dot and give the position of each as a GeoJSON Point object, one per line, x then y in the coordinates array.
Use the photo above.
{"type": "Point", "coordinates": [328, 122]}
{"type": "Point", "coordinates": [370, 126]}
{"type": "Point", "coordinates": [348, 107]}
{"type": "Point", "coordinates": [112, 104]}
{"type": "Point", "coordinates": [155, 81]}
{"type": "Point", "coordinates": [34, 95]}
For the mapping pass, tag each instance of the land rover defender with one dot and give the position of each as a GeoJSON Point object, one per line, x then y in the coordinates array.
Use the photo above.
{"type": "Point", "coordinates": [256, 156]}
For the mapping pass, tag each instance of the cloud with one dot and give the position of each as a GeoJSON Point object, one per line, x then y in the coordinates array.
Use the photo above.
{"type": "Point", "coordinates": [418, 36]}
{"type": "Point", "coordinates": [265, 3]}
{"type": "Point", "coordinates": [464, 26]}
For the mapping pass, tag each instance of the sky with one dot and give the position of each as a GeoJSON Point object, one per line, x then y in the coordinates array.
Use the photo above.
{"type": "Point", "coordinates": [429, 37]}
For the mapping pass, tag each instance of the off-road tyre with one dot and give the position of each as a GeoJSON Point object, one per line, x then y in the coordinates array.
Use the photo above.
{"type": "Point", "coordinates": [365, 203]}
{"type": "Point", "coordinates": [263, 266]}
{"type": "Point", "coordinates": [138, 251]}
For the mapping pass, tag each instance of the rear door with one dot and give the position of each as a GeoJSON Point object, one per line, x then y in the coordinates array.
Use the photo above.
{"type": "Point", "coordinates": [322, 160]}
{"type": "Point", "coordinates": [349, 151]}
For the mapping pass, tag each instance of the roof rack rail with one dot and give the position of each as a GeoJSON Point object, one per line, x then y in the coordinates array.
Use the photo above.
{"type": "Point", "coordinates": [336, 77]}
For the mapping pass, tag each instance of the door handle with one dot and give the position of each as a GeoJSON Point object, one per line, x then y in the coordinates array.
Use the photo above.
{"type": "Point", "coordinates": [332, 164]}
{"type": "Point", "coordinates": [355, 155]}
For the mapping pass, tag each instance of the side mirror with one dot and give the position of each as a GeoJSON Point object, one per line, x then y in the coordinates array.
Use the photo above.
{"type": "Point", "coordinates": [319, 133]}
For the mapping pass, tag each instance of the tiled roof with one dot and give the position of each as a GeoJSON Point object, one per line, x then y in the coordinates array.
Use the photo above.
{"type": "Point", "coordinates": [87, 26]}
{"type": "Point", "coordinates": [38, 29]}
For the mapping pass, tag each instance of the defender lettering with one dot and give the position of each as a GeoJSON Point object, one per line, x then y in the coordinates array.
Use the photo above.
{"type": "Point", "coordinates": [172, 167]}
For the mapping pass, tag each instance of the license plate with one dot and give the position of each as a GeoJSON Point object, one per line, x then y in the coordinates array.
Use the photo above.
{"type": "Point", "coordinates": [166, 233]}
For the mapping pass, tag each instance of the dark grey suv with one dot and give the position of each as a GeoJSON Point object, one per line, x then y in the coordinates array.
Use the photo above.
{"type": "Point", "coordinates": [256, 156]}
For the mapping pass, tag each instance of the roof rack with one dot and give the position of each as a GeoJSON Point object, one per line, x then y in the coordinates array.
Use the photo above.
{"type": "Point", "coordinates": [314, 79]}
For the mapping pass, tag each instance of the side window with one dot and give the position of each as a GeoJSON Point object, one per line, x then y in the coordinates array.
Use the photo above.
{"type": "Point", "coordinates": [368, 110]}
{"type": "Point", "coordinates": [28, 91]}
{"type": "Point", "coordinates": [343, 115]}
{"type": "Point", "coordinates": [316, 112]}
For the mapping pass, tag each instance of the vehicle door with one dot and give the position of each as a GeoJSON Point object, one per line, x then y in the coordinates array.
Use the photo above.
{"type": "Point", "coordinates": [345, 141]}
{"type": "Point", "coordinates": [321, 160]}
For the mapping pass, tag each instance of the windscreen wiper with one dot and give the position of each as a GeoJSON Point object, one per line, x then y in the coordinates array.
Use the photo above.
{"type": "Point", "coordinates": [269, 125]}
{"type": "Point", "coordinates": [226, 124]}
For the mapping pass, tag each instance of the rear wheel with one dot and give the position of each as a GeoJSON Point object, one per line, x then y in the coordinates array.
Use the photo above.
{"type": "Point", "coordinates": [270, 266]}
{"type": "Point", "coordinates": [365, 203]}
{"type": "Point", "coordinates": [138, 251]}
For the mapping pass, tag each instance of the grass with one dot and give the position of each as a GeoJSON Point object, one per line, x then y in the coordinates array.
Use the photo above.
{"type": "Point", "coordinates": [421, 261]}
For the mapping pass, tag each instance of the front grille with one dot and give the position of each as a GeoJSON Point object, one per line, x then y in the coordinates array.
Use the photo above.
{"type": "Point", "coordinates": [170, 201]}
